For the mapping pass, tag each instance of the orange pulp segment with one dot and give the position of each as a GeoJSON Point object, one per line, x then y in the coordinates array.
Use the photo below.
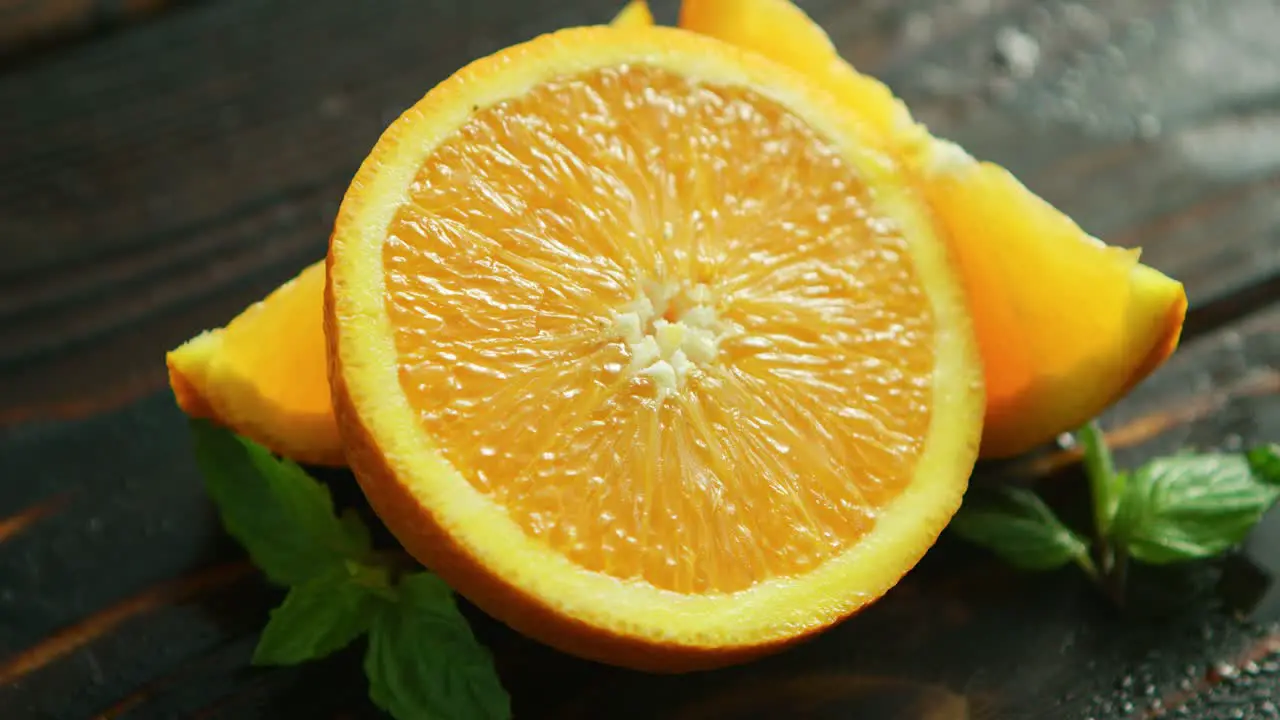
{"type": "Point", "coordinates": [647, 351]}
{"type": "Point", "coordinates": [543, 304]}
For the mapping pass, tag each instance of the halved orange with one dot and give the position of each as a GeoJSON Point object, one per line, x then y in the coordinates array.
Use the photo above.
{"type": "Point", "coordinates": [647, 348]}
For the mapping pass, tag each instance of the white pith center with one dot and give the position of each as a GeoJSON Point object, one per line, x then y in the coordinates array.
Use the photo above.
{"type": "Point", "coordinates": [671, 331]}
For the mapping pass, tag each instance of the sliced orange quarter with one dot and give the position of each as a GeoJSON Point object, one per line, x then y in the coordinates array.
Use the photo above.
{"type": "Point", "coordinates": [263, 375]}
{"type": "Point", "coordinates": [634, 14]}
{"type": "Point", "coordinates": [645, 347]}
{"type": "Point", "coordinates": [1066, 324]}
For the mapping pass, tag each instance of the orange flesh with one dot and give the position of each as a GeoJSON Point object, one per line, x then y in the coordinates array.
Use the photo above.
{"type": "Point", "coordinates": [533, 235]}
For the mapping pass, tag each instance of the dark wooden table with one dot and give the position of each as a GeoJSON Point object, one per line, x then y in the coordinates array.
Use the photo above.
{"type": "Point", "coordinates": [164, 164]}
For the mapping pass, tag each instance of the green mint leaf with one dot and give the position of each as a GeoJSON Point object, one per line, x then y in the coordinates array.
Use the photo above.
{"type": "Point", "coordinates": [1192, 506]}
{"type": "Point", "coordinates": [1265, 463]}
{"type": "Point", "coordinates": [1016, 525]}
{"type": "Point", "coordinates": [281, 515]}
{"type": "Point", "coordinates": [357, 533]}
{"type": "Point", "coordinates": [1105, 484]}
{"type": "Point", "coordinates": [423, 661]}
{"type": "Point", "coordinates": [322, 615]}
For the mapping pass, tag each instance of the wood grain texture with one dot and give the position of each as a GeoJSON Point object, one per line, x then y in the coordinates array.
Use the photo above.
{"type": "Point", "coordinates": [29, 24]}
{"type": "Point", "coordinates": [158, 177]}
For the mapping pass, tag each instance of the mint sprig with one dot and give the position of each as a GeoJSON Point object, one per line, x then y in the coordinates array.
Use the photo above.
{"type": "Point", "coordinates": [281, 516]}
{"type": "Point", "coordinates": [1105, 484]}
{"type": "Point", "coordinates": [422, 659]}
{"type": "Point", "coordinates": [1187, 507]}
{"type": "Point", "coordinates": [323, 615]}
{"type": "Point", "coordinates": [1173, 509]}
{"type": "Point", "coordinates": [1022, 530]}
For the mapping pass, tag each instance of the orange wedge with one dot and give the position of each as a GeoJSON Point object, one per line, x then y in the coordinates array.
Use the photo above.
{"type": "Point", "coordinates": [1062, 345]}
{"type": "Point", "coordinates": [1066, 325]}
{"type": "Point", "coordinates": [264, 376]}
{"type": "Point", "coordinates": [643, 345]}
{"type": "Point", "coordinates": [634, 14]}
